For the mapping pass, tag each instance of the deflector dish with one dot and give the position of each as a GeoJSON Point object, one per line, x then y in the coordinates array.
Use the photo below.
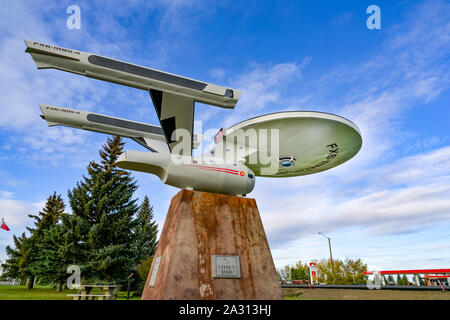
{"type": "Point", "coordinates": [309, 142]}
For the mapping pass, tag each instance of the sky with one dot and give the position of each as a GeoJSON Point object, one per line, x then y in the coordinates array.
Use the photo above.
{"type": "Point", "coordinates": [389, 205]}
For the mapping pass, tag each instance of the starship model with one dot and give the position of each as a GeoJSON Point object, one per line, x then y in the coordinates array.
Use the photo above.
{"type": "Point", "coordinates": [283, 144]}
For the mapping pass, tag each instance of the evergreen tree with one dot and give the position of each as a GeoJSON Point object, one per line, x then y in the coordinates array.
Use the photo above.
{"type": "Point", "coordinates": [16, 265]}
{"type": "Point", "coordinates": [24, 259]}
{"type": "Point", "coordinates": [391, 279]}
{"type": "Point", "coordinates": [404, 280]}
{"type": "Point", "coordinates": [59, 248]}
{"type": "Point", "coordinates": [102, 202]}
{"type": "Point", "coordinates": [48, 217]}
{"type": "Point", "coordinates": [47, 266]}
{"type": "Point", "coordinates": [45, 220]}
{"type": "Point", "coordinates": [145, 232]}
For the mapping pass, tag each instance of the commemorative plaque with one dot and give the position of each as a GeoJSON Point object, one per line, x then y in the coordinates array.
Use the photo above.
{"type": "Point", "coordinates": [155, 271]}
{"type": "Point", "coordinates": [226, 267]}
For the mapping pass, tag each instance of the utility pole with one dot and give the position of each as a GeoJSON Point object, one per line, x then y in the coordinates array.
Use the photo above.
{"type": "Point", "coordinates": [331, 257]}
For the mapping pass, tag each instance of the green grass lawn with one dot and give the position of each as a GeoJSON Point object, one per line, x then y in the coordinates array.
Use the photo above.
{"type": "Point", "coordinates": [45, 293]}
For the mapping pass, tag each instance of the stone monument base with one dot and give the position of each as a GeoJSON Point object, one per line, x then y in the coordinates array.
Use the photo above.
{"type": "Point", "coordinates": [212, 246]}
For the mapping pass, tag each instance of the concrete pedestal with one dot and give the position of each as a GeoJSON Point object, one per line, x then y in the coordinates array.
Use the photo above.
{"type": "Point", "coordinates": [200, 225]}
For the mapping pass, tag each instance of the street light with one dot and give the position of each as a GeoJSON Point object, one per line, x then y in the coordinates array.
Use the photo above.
{"type": "Point", "coordinates": [331, 256]}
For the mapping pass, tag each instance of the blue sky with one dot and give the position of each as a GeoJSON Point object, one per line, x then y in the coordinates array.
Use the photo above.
{"type": "Point", "coordinates": [390, 205]}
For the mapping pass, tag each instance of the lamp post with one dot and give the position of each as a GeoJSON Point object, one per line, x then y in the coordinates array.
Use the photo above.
{"type": "Point", "coordinates": [331, 256]}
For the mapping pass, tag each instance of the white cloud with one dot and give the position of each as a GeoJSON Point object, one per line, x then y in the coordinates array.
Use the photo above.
{"type": "Point", "coordinates": [217, 73]}
{"type": "Point", "coordinates": [407, 70]}
{"type": "Point", "coordinates": [264, 86]}
{"type": "Point", "coordinates": [379, 192]}
{"type": "Point", "coordinates": [6, 194]}
{"type": "Point", "coordinates": [23, 87]}
{"type": "Point", "coordinates": [8, 181]}
{"type": "Point", "coordinates": [395, 198]}
{"type": "Point", "coordinates": [181, 16]}
{"type": "Point", "coordinates": [15, 212]}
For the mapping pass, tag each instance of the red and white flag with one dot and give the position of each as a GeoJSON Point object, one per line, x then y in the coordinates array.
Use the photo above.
{"type": "Point", "coordinates": [4, 226]}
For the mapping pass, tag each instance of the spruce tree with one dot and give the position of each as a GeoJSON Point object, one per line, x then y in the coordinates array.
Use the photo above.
{"type": "Point", "coordinates": [145, 231]}
{"type": "Point", "coordinates": [45, 220]}
{"type": "Point", "coordinates": [16, 265]}
{"type": "Point", "coordinates": [103, 204]}
{"type": "Point", "coordinates": [391, 279]}
{"type": "Point", "coordinates": [59, 248]}
{"type": "Point", "coordinates": [48, 217]}
{"type": "Point", "coordinates": [24, 260]}
{"type": "Point", "coordinates": [404, 280]}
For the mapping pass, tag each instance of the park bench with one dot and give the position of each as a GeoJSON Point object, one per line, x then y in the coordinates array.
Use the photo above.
{"type": "Point", "coordinates": [110, 292]}
{"type": "Point", "coordinates": [90, 296]}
